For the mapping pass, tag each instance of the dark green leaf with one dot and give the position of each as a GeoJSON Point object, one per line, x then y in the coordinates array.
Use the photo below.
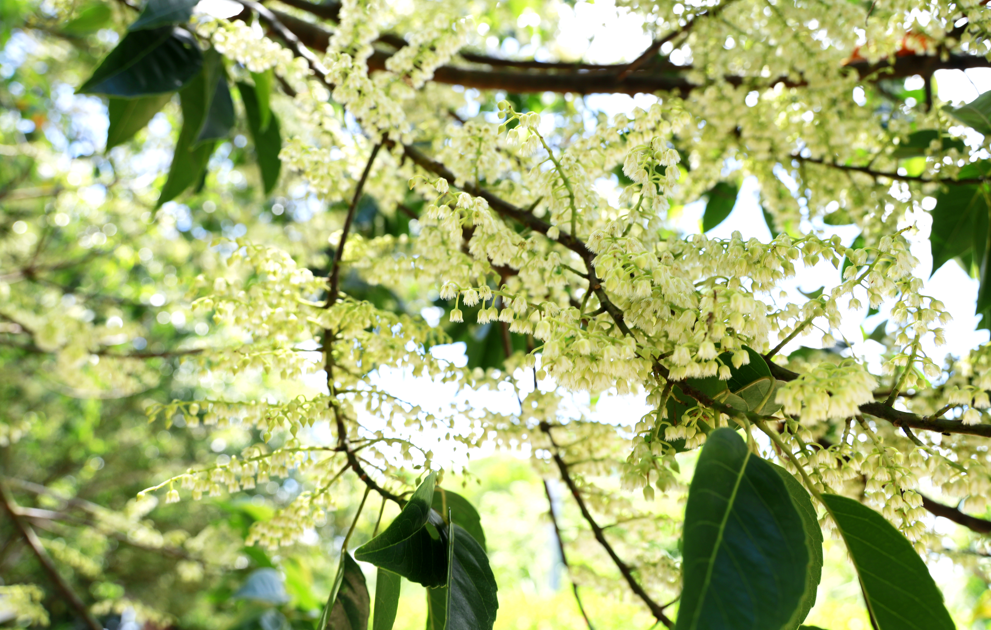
{"type": "Point", "coordinates": [407, 546]}
{"type": "Point", "coordinates": [189, 160]}
{"type": "Point", "coordinates": [878, 333]}
{"type": "Point", "coordinates": [471, 592]}
{"type": "Point", "coordinates": [900, 593]}
{"type": "Point", "coordinates": [752, 382]}
{"type": "Point", "coordinates": [813, 535]}
{"type": "Point", "coordinates": [809, 628]}
{"type": "Point", "coordinates": [918, 143]}
{"type": "Point", "coordinates": [955, 219]}
{"type": "Point", "coordinates": [263, 92]}
{"type": "Point", "coordinates": [839, 217]}
{"type": "Point", "coordinates": [268, 143]}
{"type": "Point", "coordinates": [812, 295]}
{"type": "Point", "coordinates": [722, 198]}
{"type": "Point", "coordinates": [746, 556]}
{"type": "Point", "coordinates": [976, 114]}
{"type": "Point", "coordinates": [769, 221]}
{"type": "Point", "coordinates": [464, 513]}
{"type": "Point", "coordinates": [129, 116]}
{"type": "Point", "coordinates": [148, 62]}
{"type": "Point", "coordinates": [163, 13]}
{"type": "Point", "coordinates": [263, 585]}
{"type": "Point", "coordinates": [388, 586]}
{"type": "Point", "coordinates": [220, 118]}
{"type": "Point", "coordinates": [91, 17]}
{"type": "Point", "coordinates": [350, 610]}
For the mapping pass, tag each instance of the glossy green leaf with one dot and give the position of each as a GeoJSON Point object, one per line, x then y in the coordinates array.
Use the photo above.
{"type": "Point", "coordinates": [220, 117]}
{"type": "Point", "coordinates": [721, 199]}
{"type": "Point", "coordinates": [91, 17]}
{"type": "Point", "coordinates": [472, 599]}
{"type": "Point", "coordinates": [900, 593]}
{"type": "Point", "coordinates": [802, 501]}
{"type": "Point", "coordinates": [263, 94]}
{"type": "Point", "coordinates": [809, 628]}
{"type": "Point", "coordinates": [264, 586]}
{"type": "Point", "coordinates": [189, 158]}
{"type": "Point", "coordinates": [976, 114]}
{"type": "Point", "coordinates": [128, 116]}
{"type": "Point", "coordinates": [268, 142]}
{"type": "Point", "coordinates": [917, 144]}
{"type": "Point", "coordinates": [746, 556]}
{"type": "Point", "coordinates": [349, 605]}
{"type": "Point", "coordinates": [408, 546]}
{"type": "Point", "coordinates": [148, 62]}
{"type": "Point", "coordinates": [464, 513]}
{"type": "Point", "coordinates": [388, 587]}
{"type": "Point", "coordinates": [158, 13]}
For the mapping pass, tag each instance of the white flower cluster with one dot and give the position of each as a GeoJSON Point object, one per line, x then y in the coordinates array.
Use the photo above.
{"type": "Point", "coordinates": [827, 392]}
{"type": "Point", "coordinates": [248, 46]}
{"type": "Point", "coordinates": [357, 28]}
{"type": "Point", "coordinates": [429, 48]}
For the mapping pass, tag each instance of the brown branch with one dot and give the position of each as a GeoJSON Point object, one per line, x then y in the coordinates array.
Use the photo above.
{"type": "Point", "coordinates": [335, 272]}
{"type": "Point", "coordinates": [656, 46]}
{"type": "Point", "coordinates": [866, 170]}
{"type": "Point", "coordinates": [46, 562]}
{"type": "Point", "coordinates": [972, 523]}
{"type": "Point", "coordinates": [655, 609]}
{"type": "Point", "coordinates": [564, 556]}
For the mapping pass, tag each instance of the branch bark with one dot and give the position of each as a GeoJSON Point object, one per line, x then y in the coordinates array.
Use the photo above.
{"type": "Point", "coordinates": [46, 562]}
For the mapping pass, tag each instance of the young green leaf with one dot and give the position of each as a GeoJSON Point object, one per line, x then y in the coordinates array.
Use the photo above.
{"type": "Point", "coordinates": [156, 61]}
{"type": "Point", "coordinates": [722, 198]}
{"type": "Point", "coordinates": [464, 513]}
{"type": "Point", "coordinates": [91, 17]}
{"type": "Point", "coordinates": [407, 546]}
{"type": "Point", "coordinates": [263, 93]}
{"type": "Point", "coordinates": [388, 587]}
{"type": "Point", "coordinates": [900, 593]}
{"type": "Point", "coordinates": [349, 603]}
{"type": "Point", "coordinates": [189, 160]}
{"type": "Point", "coordinates": [158, 13]}
{"type": "Point", "coordinates": [813, 537]}
{"type": "Point", "coordinates": [471, 592]}
{"type": "Point", "coordinates": [129, 116]}
{"type": "Point", "coordinates": [268, 142]}
{"type": "Point", "coordinates": [746, 556]}
{"type": "Point", "coordinates": [918, 143]}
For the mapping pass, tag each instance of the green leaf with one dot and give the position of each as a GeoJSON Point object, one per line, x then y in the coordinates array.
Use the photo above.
{"type": "Point", "coordinates": [149, 62]}
{"type": "Point", "coordinates": [268, 142]}
{"type": "Point", "coordinates": [812, 295]}
{"type": "Point", "coordinates": [437, 608]}
{"type": "Point", "coordinates": [976, 114]}
{"type": "Point", "coordinates": [388, 587]}
{"type": "Point", "coordinates": [917, 144]}
{"type": "Point", "coordinates": [813, 535]}
{"type": "Point", "coordinates": [878, 333]}
{"type": "Point", "coordinates": [838, 217]}
{"type": "Point", "coordinates": [769, 221]}
{"type": "Point", "coordinates": [351, 604]}
{"type": "Point", "coordinates": [407, 546]}
{"type": "Point", "coordinates": [722, 198]}
{"type": "Point", "coordinates": [464, 513]}
{"type": "Point", "coordinates": [130, 115]}
{"type": "Point", "coordinates": [746, 555]}
{"type": "Point", "coordinates": [163, 13]}
{"type": "Point", "coordinates": [809, 628]}
{"type": "Point", "coordinates": [220, 117]}
{"type": "Point", "coordinates": [471, 592]}
{"type": "Point", "coordinates": [263, 93]}
{"type": "Point", "coordinates": [900, 593]}
{"type": "Point", "coordinates": [189, 159]}
{"type": "Point", "coordinates": [91, 17]}
{"type": "Point", "coordinates": [263, 585]}
{"type": "Point", "coordinates": [858, 243]}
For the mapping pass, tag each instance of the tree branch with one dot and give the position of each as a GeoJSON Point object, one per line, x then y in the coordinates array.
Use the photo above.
{"type": "Point", "coordinates": [39, 551]}
{"type": "Point", "coordinates": [894, 176]}
{"type": "Point", "coordinates": [655, 609]}
{"type": "Point", "coordinates": [637, 63]}
{"type": "Point", "coordinates": [972, 523]}
{"type": "Point", "coordinates": [564, 557]}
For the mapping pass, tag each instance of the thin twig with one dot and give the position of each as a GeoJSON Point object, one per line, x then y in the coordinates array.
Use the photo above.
{"type": "Point", "coordinates": [564, 556]}
{"type": "Point", "coordinates": [655, 609]}
{"type": "Point", "coordinates": [46, 562]}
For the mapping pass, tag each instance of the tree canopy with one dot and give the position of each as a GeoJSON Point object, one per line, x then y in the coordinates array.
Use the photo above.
{"type": "Point", "coordinates": [343, 315]}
